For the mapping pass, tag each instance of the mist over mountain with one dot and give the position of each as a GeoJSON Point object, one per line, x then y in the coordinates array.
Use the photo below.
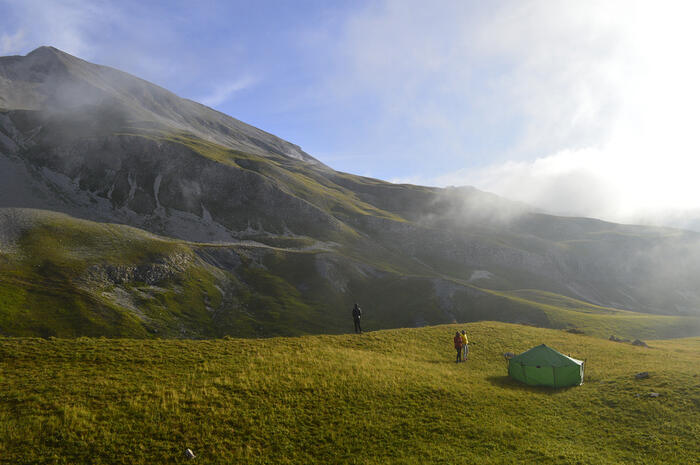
{"type": "Point", "coordinates": [128, 210]}
{"type": "Point", "coordinates": [57, 83]}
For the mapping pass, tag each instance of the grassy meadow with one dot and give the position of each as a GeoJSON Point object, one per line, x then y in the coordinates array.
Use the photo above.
{"type": "Point", "coordinates": [393, 396]}
{"type": "Point", "coordinates": [566, 313]}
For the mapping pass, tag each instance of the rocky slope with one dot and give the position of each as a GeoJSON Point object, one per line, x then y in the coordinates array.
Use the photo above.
{"type": "Point", "coordinates": [284, 241]}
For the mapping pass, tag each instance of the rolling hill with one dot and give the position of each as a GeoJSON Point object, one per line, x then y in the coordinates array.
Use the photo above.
{"type": "Point", "coordinates": [129, 211]}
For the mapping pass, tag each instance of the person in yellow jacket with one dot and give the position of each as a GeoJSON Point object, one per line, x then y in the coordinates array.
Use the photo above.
{"type": "Point", "coordinates": [465, 345]}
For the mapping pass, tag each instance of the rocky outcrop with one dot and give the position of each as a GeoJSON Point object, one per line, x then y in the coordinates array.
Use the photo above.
{"type": "Point", "coordinates": [163, 269]}
{"type": "Point", "coordinates": [12, 223]}
{"type": "Point", "coordinates": [159, 185]}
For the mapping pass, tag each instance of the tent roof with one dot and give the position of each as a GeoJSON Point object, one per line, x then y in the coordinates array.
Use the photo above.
{"type": "Point", "coordinates": [543, 355]}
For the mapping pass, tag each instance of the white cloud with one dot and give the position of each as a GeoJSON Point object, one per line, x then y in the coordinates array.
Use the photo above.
{"type": "Point", "coordinates": [416, 180]}
{"type": "Point", "coordinates": [572, 181]}
{"type": "Point", "coordinates": [127, 35]}
{"type": "Point", "coordinates": [595, 103]}
{"type": "Point", "coordinates": [70, 25]}
{"type": "Point", "coordinates": [11, 43]}
{"type": "Point", "coordinates": [409, 57]}
{"type": "Point", "coordinates": [644, 161]}
{"type": "Point", "coordinates": [224, 92]}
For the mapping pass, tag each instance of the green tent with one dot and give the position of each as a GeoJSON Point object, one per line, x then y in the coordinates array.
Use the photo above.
{"type": "Point", "coordinates": [544, 366]}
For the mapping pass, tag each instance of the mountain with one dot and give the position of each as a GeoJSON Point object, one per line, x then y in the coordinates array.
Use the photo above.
{"type": "Point", "coordinates": [52, 81]}
{"type": "Point", "coordinates": [126, 210]}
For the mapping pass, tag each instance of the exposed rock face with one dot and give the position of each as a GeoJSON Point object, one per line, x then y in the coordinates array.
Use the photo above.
{"type": "Point", "coordinates": [12, 224]}
{"type": "Point", "coordinates": [160, 185]}
{"type": "Point", "coordinates": [151, 273]}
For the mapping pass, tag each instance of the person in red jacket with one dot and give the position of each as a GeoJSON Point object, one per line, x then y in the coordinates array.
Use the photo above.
{"type": "Point", "coordinates": [458, 346]}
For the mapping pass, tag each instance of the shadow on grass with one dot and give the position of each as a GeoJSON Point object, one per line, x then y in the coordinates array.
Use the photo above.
{"type": "Point", "coordinates": [507, 382]}
{"type": "Point", "coordinates": [442, 361]}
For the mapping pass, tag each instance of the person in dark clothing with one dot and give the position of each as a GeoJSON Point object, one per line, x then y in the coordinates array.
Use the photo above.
{"type": "Point", "coordinates": [356, 314]}
{"type": "Point", "coordinates": [458, 346]}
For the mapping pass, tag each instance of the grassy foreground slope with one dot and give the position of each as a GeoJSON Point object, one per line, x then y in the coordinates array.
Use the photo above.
{"type": "Point", "coordinates": [390, 396]}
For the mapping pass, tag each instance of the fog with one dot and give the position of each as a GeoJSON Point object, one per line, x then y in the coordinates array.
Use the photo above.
{"type": "Point", "coordinates": [578, 108]}
{"type": "Point", "coordinates": [635, 101]}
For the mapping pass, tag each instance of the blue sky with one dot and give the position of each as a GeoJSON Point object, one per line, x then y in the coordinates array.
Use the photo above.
{"type": "Point", "coordinates": [583, 108]}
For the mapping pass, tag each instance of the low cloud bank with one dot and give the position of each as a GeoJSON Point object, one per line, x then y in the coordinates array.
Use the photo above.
{"type": "Point", "coordinates": [632, 187]}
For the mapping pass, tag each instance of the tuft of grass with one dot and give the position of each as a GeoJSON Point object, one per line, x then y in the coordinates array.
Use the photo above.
{"type": "Point", "coordinates": [392, 396]}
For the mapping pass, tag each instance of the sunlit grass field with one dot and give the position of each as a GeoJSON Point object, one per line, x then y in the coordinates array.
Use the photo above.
{"type": "Point", "coordinates": [392, 396]}
{"type": "Point", "coordinates": [564, 312]}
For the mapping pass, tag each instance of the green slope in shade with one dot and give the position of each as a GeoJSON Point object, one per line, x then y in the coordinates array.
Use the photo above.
{"type": "Point", "coordinates": [68, 277]}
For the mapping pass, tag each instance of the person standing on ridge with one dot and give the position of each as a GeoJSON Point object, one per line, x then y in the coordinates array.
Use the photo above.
{"type": "Point", "coordinates": [465, 345]}
{"type": "Point", "coordinates": [356, 314]}
{"type": "Point", "coordinates": [458, 346]}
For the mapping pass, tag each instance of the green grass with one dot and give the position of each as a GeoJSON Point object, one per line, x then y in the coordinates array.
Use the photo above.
{"type": "Point", "coordinates": [391, 396]}
{"type": "Point", "coordinates": [76, 243]}
{"type": "Point", "coordinates": [47, 289]}
{"type": "Point", "coordinates": [565, 312]}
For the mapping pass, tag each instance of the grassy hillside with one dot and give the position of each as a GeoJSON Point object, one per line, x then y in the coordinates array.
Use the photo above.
{"type": "Point", "coordinates": [65, 277]}
{"type": "Point", "coordinates": [391, 396]}
{"type": "Point", "coordinates": [567, 313]}
{"type": "Point", "coordinates": [68, 277]}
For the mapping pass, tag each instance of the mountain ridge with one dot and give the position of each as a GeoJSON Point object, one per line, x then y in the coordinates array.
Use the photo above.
{"type": "Point", "coordinates": [210, 183]}
{"type": "Point", "coordinates": [103, 84]}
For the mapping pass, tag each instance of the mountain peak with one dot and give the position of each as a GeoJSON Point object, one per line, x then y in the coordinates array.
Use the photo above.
{"type": "Point", "coordinates": [45, 50]}
{"type": "Point", "coordinates": [46, 55]}
{"type": "Point", "coordinates": [48, 79]}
